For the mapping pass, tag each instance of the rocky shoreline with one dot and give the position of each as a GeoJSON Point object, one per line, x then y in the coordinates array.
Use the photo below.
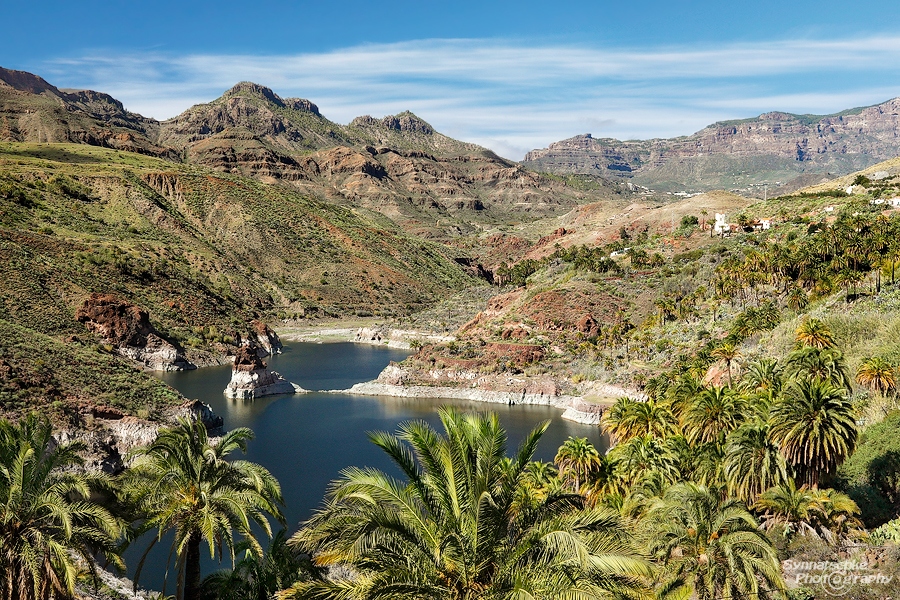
{"type": "Point", "coordinates": [574, 408]}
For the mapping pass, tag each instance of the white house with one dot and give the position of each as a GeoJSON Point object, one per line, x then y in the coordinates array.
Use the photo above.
{"type": "Point", "coordinates": [721, 224]}
{"type": "Point", "coordinates": [894, 202]}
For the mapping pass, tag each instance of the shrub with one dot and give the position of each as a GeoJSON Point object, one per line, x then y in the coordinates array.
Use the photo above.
{"type": "Point", "coordinates": [871, 476]}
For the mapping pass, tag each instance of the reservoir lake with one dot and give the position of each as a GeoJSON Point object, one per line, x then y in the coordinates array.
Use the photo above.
{"type": "Point", "coordinates": [306, 439]}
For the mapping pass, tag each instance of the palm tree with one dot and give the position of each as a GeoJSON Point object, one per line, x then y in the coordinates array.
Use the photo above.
{"type": "Point", "coordinates": [876, 374]}
{"type": "Point", "coordinates": [710, 547]}
{"type": "Point", "coordinates": [814, 425]}
{"type": "Point", "coordinates": [797, 299]}
{"type": "Point", "coordinates": [815, 333]}
{"type": "Point", "coordinates": [753, 462]}
{"type": "Point", "coordinates": [764, 378]}
{"type": "Point", "coordinates": [629, 418]}
{"type": "Point", "coordinates": [825, 365]}
{"type": "Point", "coordinates": [714, 413]}
{"type": "Point", "coordinates": [48, 519]}
{"type": "Point", "coordinates": [788, 508]}
{"type": "Point", "coordinates": [183, 482]}
{"type": "Point", "coordinates": [633, 460]}
{"type": "Point", "coordinates": [576, 459]}
{"type": "Point", "coordinates": [827, 514]}
{"type": "Point", "coordinates": [453, 527]}
{"type": "Point", "coordinates": [257, 577]}
{"type": "Point", "coordinates": [728, 353]}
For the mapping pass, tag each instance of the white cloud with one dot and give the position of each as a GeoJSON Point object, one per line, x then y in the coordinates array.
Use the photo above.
{"type": "Point", "coordinates": [513, 96]}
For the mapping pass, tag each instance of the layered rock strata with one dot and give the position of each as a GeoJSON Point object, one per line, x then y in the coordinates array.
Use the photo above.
{"type": "Point", "coordinates": [397, 382]}
{"type": "Point", "coordinates": [251, 377]}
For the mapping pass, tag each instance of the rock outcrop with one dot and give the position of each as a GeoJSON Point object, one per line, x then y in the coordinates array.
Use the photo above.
{"type": "Point", "coordinates": [111, 435]}
{"type": "Point", "coordinates": [127, 327]}
{"type": "Point", "coordinates": [265, 340]}
{"type": "Point", "coordinates": [251, 377]}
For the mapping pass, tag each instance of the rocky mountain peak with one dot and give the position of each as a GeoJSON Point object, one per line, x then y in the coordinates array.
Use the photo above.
{"type": "Point", "coordinates": [405, 122]}
{"type": "Point", "coordinates": [26, 82]}
{"type": "Point", "coordinates": [248, 88]}
{"type": "Point", "coordinates": [302, 105]}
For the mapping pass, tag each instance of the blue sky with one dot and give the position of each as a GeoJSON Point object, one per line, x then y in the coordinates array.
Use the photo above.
{"type": "Point", "coordinates": [508, 75]}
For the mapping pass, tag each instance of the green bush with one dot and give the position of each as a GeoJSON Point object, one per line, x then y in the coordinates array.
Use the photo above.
{"type": "Point", "coordinates": [871, 476]}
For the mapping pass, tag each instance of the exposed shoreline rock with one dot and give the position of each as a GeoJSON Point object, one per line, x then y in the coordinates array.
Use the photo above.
{"type": "Point", "coordinates": [574, 408]}
{"type": "Point", "coordinates": [110, 435]}
{"type": "Point", "coordinates": [381, 335]}
{"type": "Point", "coordinates": [251, 377]}
{"type": "Point", "coordinates": [395, 381]}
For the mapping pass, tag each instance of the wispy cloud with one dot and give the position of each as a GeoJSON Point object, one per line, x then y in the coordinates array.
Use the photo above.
{"type": "Point", "coordinates": [513, 96]}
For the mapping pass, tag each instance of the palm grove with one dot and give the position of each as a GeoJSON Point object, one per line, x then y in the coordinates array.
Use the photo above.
{"type": "Point", "coordinates": [707, 484]}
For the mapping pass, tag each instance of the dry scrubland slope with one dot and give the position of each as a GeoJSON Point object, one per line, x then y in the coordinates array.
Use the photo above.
{"type": "Point", "coordinates": [204, 252]}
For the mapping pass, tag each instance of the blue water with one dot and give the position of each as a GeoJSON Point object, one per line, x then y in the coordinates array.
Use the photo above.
{"type": "Point", "coordinates": [306, 439]}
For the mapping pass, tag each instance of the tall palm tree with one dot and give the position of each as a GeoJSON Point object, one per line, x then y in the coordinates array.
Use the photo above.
{"type": "Point", "coordinates": [814, 424]}
{"type": "Point", "coordinates": [453, 527]}
{"type": "Point", "coordinates": [576, 459]}
{"type": "Point", "coordinates": [821, 364]}
{"type": "Point", "coordinates": [710, 547]}
{"type": "Point", "coordinates": [714, 413]}
{"type": "Point", "coordinates": [47, 516]}
{"type": "Point", "coordinates": [634, 459]}
{"type": "Point", "coordinates": [753, 462]}
{"type": "Point", "coordinates": [184, 482]}
{"type": "Point", "coordinates": [877, 374]}
{"type": "Point", "coordinates": [815, 333]}
{"type": "Point", "coordinates": [728, 353]}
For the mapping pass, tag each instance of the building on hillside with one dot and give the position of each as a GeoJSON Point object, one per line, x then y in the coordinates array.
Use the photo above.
{"type": "Point", "coordinates": [721, 226]}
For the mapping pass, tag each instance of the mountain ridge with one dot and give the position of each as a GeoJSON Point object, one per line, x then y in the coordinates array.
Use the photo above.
{"type": "Point", "coordinates": [780, 145]}
{"type": "Point", "coordinates": [399, 165]}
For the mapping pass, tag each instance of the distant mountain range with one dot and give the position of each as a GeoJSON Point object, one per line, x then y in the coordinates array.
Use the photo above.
{"type": "Point", "coordinates": [433, 185]}
{"type": "Point", "coordinates": [430, 184]}
{"type": "Point", "coordinates": [773, 147]}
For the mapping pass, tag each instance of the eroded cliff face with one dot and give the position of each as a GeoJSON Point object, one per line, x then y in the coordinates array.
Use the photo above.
{"type": "Point", "coordinates": [32, 110]}
{"type": "Point", "coordinates": [127, 327]}
{"type": "Point", "coordinates": [774, 142]}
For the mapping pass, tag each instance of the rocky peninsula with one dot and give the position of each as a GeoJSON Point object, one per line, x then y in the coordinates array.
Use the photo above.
{"type": "Point", "coordinates": [586, 407]}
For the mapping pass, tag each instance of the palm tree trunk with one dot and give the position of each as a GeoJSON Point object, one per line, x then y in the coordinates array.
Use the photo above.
{"type": "Point", "coordinates": [192, 569]}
